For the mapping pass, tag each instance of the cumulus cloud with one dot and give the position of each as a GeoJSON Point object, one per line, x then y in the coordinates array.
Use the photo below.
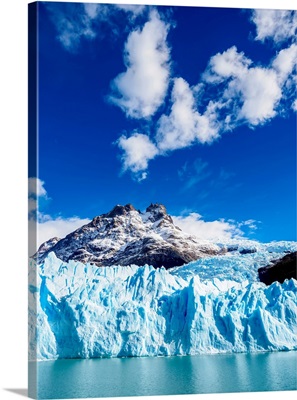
{"type": "Point", "coordinates": [219, 230]}
{"type": "Point", "coordinates": [284, 65]}
{"type": "Point", "coordinates": [232, 92]}
{"type": "Point", "coordinates": [140, 90]}
{"type": "Point", "coordinates": [260, 93]}
{"type": "Point", "coordinates": [250, 94]}
{"type": "Point", "coordinates": [245, 94]}
{"type": "Point", "coordinates": [276, 25]}
{"type": "Point", "coordinates": [285, 61]}
{"type": "Point", "coordinates": [184, 125]}
{"type": "Point", "coordinates": [225, 65]}
{"type": "Point", "coordinates": [233, 89]}
{"type": "Point", "coordinates": [138, 150]}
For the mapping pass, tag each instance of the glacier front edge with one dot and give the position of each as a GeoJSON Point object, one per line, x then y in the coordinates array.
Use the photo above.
{"type": "Point", "coordinates": [83, 311]}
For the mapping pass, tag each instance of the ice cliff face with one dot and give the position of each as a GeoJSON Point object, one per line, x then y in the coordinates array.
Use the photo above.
{"type": "Point", "coordinates": [208, 306]}
{"type": "Point", "coordinates": [126, 236]}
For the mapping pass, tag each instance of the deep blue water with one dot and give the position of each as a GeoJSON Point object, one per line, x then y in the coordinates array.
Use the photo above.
{"type": "Point", "coordinates": [164, 375]}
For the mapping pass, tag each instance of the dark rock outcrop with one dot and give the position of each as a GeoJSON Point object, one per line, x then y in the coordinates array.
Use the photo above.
{"type": "Point", "coordinates": [284, 268]}
{"type": "Point", "coordinates": [120, 210]}
{"type": "Point", "coordinates": [248, 251]}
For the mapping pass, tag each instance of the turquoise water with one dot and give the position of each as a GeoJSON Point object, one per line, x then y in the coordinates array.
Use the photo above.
{"type": "Point", "coordinates": [165, 375]}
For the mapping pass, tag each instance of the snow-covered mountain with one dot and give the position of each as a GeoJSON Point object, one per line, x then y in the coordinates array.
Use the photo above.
{"type": "Point", "coordinates": [126, 236]}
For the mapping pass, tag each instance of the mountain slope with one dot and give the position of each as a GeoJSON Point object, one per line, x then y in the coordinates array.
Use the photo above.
{"type": "Point", "coordinates": [125, 236]}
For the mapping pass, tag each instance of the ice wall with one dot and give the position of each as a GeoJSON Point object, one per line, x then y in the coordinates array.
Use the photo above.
{"type": "Point", "coordinates": [85, 311]}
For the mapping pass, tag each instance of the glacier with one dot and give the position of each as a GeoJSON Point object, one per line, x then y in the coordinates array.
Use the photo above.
{"type": "Point", "coordinates": [212, 305]}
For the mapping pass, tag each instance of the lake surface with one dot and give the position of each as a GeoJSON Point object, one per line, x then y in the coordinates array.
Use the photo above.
{"type": "Point", "coordinates": [165, 375]}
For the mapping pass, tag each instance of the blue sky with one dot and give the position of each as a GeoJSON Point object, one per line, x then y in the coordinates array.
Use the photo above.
{"type": "Point", "coordinates": [194, 108]}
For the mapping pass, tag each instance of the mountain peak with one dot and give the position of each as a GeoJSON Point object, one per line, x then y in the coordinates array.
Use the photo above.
{"type": "Point", "coordinates": [120, 210]}
{"type": "Point", "coordinates": [46, 246]}
{"type": "Point", "coordinates": [158, 211]}
{"type": "Point", "coordinates": [156, 207]}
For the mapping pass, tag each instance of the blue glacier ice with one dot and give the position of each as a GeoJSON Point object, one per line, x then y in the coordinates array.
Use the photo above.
{"type": "Point", "coordinates": [211, 305]}
{"type": "Point", "coordinates": [239, 265]}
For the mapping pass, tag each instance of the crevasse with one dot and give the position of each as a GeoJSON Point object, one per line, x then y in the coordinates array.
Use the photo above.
{"type": "Point", "coordinates": [84, 311]}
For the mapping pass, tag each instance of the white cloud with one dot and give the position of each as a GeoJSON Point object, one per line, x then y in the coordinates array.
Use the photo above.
{"type": "Point", "coordinates": [256, 92]}
{"type": "Point", "coordinates": [248, 94]}
{"type": "Point", "coordinates": [225, 65]}
{"type": "Point", "coordinates": [184, 125]}
{"type": "Point", "coordinates": [43, 227]}
{"type": "Point", "coordinates": [219, 230]}
{"type": "Point", "coordinates": [141, 89]}
{"type": "Point", "coordinates": [138, 150]}
{"type": "Point", "coordinates": [260, 93]}
{"type": "Point", "coordinates": [181, 128]}
{"type": "Point", "coordinates": [232, 92]}
{"type": "Point", "coordinates": [36, 187]}
{"type": "Point", "coordinates": [277, 25]}
{"type": "Point", "coordinates": [285, 63]}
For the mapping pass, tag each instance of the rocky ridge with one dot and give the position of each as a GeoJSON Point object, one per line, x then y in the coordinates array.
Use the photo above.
{"type": "Point", "coordinates": [126, 236]}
